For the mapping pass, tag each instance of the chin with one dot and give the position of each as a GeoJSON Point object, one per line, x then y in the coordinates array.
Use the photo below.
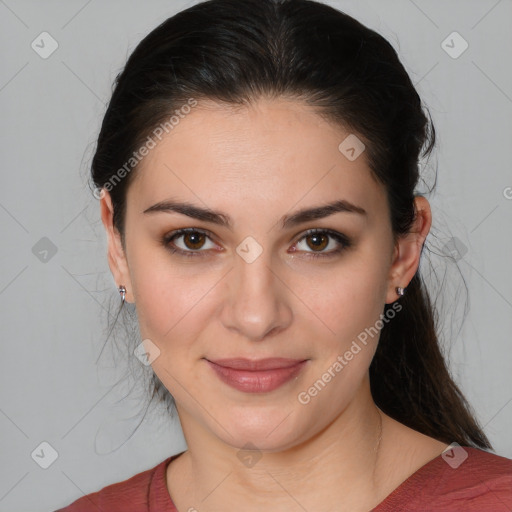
{"type": "Point", "coordinates": [269, 430]}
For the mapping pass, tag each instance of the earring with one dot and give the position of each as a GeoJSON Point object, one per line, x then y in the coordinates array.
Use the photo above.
{"type": "Point", "coordinates": [400, 291]}
{"type": "Point", "coordinates": [122, 291]}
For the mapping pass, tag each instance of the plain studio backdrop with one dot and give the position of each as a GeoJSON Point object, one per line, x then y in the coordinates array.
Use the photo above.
{"type": "Point", "coordinates": [65, 427]}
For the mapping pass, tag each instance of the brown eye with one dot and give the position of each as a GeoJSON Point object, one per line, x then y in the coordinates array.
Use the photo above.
{"type": "Point", "coordinates": [194, 240]}
{"type": "Point", "coordinates": [187, 242]}
{"type": "Point", "coordinates": [319, 241]}
{"type": "Point", "coordinates": [190, 242]}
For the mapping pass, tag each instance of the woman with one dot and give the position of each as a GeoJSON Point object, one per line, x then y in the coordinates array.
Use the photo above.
{"type": "Point", "coordinates": [257, 166]}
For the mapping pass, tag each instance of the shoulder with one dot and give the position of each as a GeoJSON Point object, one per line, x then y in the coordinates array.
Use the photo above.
{"type": "Point", "coordinates": [470, 479]}
{"type": "Point", "coordinates": [460, 478]}
{"type": "Point", "coordinates": [477, 477]}
{"type": "Point", "coordinates": [130, 495]}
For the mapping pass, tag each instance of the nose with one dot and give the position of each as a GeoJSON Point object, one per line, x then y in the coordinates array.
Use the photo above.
{"type": "Point", "coordinates": [256, 303]}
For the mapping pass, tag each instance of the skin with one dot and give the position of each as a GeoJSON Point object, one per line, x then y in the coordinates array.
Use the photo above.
{"type": "Point", "coordinates": [257, 164]}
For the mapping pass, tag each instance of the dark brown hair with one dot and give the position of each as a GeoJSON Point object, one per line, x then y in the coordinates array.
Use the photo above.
{"type": "Point", "coordinates": [236, 51]}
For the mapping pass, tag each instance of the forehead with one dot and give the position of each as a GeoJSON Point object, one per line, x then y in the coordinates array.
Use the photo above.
{"type": "Point", "coordinates": [272, 153]}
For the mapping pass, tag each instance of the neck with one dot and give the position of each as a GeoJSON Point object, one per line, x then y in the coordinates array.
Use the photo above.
{"type": "Point", "coordinates": [344, 460]}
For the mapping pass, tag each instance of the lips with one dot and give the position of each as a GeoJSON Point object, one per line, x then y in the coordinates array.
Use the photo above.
{"type": "Point", "coordinates": [257, 364]}
{"type": "Point", "coordinates": [256, 376]}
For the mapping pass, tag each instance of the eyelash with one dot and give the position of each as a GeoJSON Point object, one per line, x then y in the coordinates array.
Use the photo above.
{"type": "Point", "coordinates": [340, 238]}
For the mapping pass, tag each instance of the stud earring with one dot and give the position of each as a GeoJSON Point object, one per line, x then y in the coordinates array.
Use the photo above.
{"type": "Point", "coordinates": [122, 292]}
{"type": "Point", "coordinates": [400, 291]}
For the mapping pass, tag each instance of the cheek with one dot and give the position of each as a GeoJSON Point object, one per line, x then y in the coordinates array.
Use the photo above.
{"type": "Point", "coordinates": [173, 300]}
{"type": "Point", "coordinates": [348, 299]}
{"type": "Point", "coordinates": [350, 306]}
{"type": "Point", "coordinates": [173, 312]}
{"type": "Point", "coordinates": [171, 307]}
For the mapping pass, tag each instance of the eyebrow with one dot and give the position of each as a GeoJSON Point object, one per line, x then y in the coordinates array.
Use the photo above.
{"type": "Point", "coordinates": [287, 221]}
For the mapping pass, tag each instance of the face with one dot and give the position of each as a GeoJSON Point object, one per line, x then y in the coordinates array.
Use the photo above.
{"type": "Point", "coordinates": [262, 284]}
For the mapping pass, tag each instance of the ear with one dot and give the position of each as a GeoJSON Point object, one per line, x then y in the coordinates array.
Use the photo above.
{"type": "Point", "coordinates": [116, 255]}
{"type": "Point", "coordinates": [407, 252]}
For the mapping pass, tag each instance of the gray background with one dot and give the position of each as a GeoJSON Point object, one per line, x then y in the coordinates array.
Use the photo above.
{"type": "Point", "coordinates": [54, 307]}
